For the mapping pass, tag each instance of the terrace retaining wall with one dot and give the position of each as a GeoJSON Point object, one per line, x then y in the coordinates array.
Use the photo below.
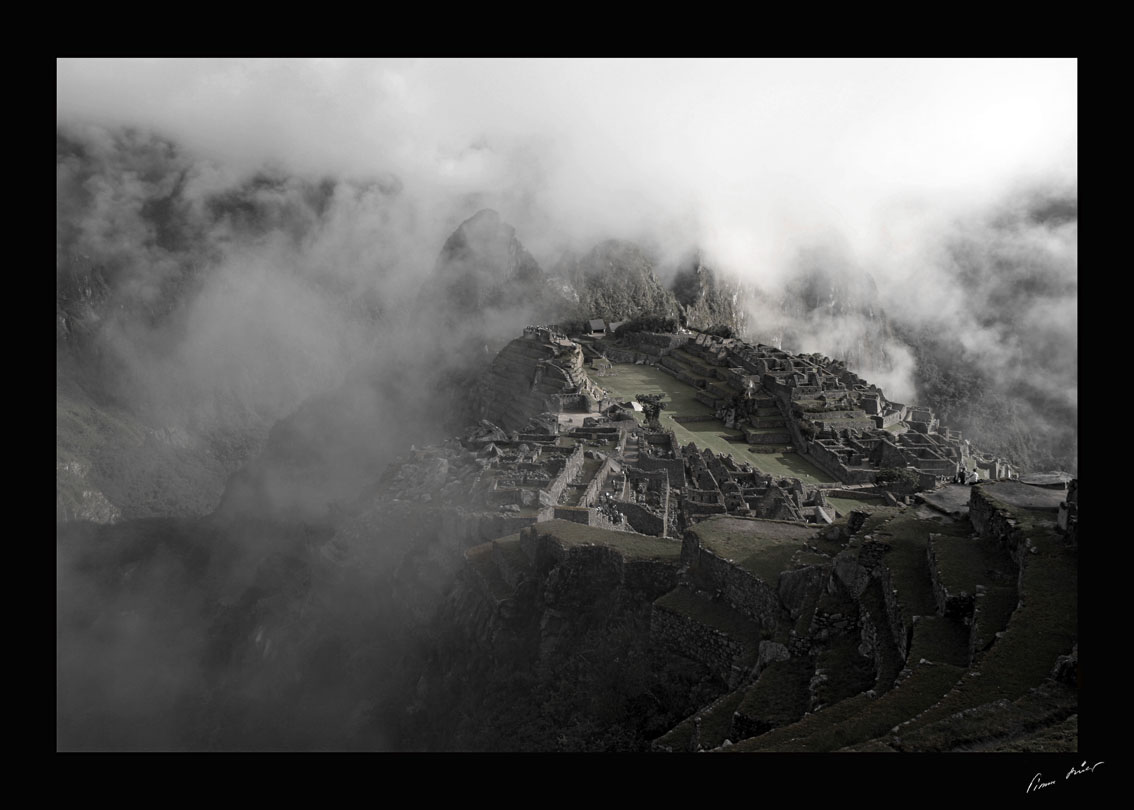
{"type": "Point", "coordinates": [742, 590]}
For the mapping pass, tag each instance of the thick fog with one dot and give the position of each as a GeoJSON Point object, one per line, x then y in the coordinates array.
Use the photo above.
{"type": "Point", "coordinates": [260, 232]}
{"type": "Point", "coordinates": [885, 165]}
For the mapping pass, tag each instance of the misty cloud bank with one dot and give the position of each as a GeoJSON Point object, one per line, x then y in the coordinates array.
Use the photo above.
{"type": "Point", "coordinates": [351, 173]}
{"type": "Point", "coordinates": [243, 246]}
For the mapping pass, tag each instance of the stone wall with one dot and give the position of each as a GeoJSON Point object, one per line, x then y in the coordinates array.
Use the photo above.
{"type": "Point", "coordinates": [665, 341]}
{"type": "Point", "coordinates": [695, 509]}
{"type": "Point", "coordinates": [617, 355]}
{"type": "Point", "coordinates": [585, 572]}
{"type": "Point", "coordinates": [571, 467]}
{"type": "Point", "coordinates": [953, 605]}
{"type": "Point", "coordinates": [835, 491]}
{"type": "Point", "coordinates": [830, 462]}
{"type": "Point", "coordinates": [690, 548]}
{"type": "Point", "coordinates": [642, 520]}
{"type": "Point", "coordinates": [871, 637]}
{"type": "Point", "coordinates": [805, 391]}
{"type": "Point", "coordinates": [778, 438]}
{"type": "Point", "coordinates": [901, 629]}
{"type": "Point", "coordinates": [700, 642]}
{"type": "Point", "coordinates": [889, 455]}
{"type": "Point", "coordinates": [575, 514]}
{"type": "Point", "coordinates": [594, 488]}
{"type": "Point", "coordinates": [650, 578]}
{"type": "Point", "coordinates": [675, 467]}
{"type": "Point", "coordinates": [743, 591]}
{"type": "Point", "coordinates": [858, 572]}
{"type": "Point", "coordinates": [685, 420]}
{"type": "Point", "coordinates": [990, 520]}
{"type": "Point", "coordinates": [797, 586]}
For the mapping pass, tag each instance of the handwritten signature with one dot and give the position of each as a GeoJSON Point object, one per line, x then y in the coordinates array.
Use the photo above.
{"type": "Point", "coordinates": [1038, 782]}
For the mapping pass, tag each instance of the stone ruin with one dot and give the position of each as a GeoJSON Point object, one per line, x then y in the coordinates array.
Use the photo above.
{"type": "Point", "coordinates": [524, 462]}
{"type": "Point", "coordinates": [543, 371]}
{"type": "Point", "coordinates": [846, 426]}
{"type": "Point", "coordinates": [833, 620]}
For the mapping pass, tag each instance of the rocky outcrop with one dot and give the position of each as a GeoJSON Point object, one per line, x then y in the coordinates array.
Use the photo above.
{"type": "Point", "coordinates": [799, 586]}
{"type": "Point", "coordinates": [483, 269]}
{"type": "Point", "coordinates": [722, 653]}
{"type": "Point", "coordinates": [550, 627]}
{"type": "Point", "coordinates": [615, 281]}
{"type": "Point", "coordinates": [747, 593]}
{"type": "Point", "coordinates": [706, 300]}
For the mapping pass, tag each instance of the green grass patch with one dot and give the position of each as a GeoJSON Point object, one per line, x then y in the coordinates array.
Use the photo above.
{"type": "Point", "coordinates": [940, 640]}
{"type": "Point", "coordinates": [761, 547]}
{"type": "Point", "coordinates": [964, 561]}
{"type": "Point", "coordinates": [509, 548]}
{"type": "Point", "coordinates": [797, 736]}
{"type": "Point", "coordinates": [810, 558]}
{"type": "Point", "coordinates": [588, 469]}
{"type": "Point", "coordinates": [638, 546]}
{"type": "Point", "coordinates": [908, 537]}
{"type": "Point", "coordinates": [992, 725]}
{"type": "Point", "coordinates": [995, 609]}
{"type": "Point", "coordinates": [716, 724]}
{"type": "Point", "coordinates": [848, 673]}
{"type": "Point", "coordinates": [925, 685]}
{"type": "Point", "coordinates": [767, 563]}
{"type": "Point", "coordinates": [789, 465]}
{"type": "Point", "coordinates": [717, 615]}
{"type": "Point", "coordinates": [780, 695]}
{"type": "Point", "coordinates": [1038, 632]}
{"type": "Point", "coordinates": [626, 381]}
{"type": "Point", "coordinates": [860, 718]}
{"type": "Point", "coordinates": [847, 505]}
{"type": "Point", "coordinates": [1059, 738]}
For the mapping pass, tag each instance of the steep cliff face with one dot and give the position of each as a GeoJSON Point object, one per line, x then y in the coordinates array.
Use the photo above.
{"type": "Point", "coordinates": [544, 645]}
{"type": "Point", "coordinates": [615, 281]}
{"type": "Point", "coordinates": [706, 300]}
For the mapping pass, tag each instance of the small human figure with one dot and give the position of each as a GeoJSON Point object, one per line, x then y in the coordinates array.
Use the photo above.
{"type": "Point", "coordinates": [973, 477]}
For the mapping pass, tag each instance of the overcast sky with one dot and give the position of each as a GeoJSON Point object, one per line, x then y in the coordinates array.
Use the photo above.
{"type": "Point", "coordinates": [742, 156]}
